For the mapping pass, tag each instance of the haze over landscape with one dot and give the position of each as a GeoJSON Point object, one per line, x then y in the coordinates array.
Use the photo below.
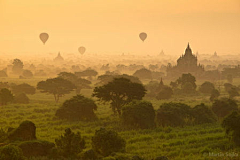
{"type": "Point", "coordinates": [106, 26]}
{"type": "Point", "coordinates": [119, 79]}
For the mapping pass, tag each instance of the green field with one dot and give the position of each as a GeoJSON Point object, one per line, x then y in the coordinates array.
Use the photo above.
{"type": "Point", "coordinates": [191, 142]}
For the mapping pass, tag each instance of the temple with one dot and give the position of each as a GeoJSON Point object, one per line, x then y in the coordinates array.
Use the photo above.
{"type": "Point", "coordinates": [59, 58]}
{"type": "Point", "coordinates": [187, 63]}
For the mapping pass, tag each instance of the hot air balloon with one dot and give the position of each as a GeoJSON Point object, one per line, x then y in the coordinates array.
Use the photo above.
{"type": "Point", "coordinates": [81, 50]}
{"type": "Point", "coordinates": [44, 37]}
{"type": "Point", "coordinates": [143, 36]}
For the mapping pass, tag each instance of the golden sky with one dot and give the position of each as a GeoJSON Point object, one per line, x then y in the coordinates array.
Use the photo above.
{"type": "Point", "coordinates": [112, 26]}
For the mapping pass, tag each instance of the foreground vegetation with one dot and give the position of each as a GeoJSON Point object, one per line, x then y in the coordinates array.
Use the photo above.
{"type": "Point", "coordinates": [189, 142]}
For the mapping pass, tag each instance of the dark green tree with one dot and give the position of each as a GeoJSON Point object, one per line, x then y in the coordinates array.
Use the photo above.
{"type": "Point", "coordinates": [186, 79]}
{"type": "Point", "coordinates": [77, 108]}
{"type": "Point", "coordinates": [228, 86]}
{"type": "Point", "coordinates": [21, 98]}
{"type": "Point", "coordinates": [106, 142]}
{"type": "Point", "coordinates": [214, 95]}
{"type": "Point", "coordinates": [17, 66]}
{"type": "Point", "coordinates": [229, 78]}
{"type": "Point", "coordinates": [231, 125]}
{"type": "Point", "coordinates": [70, 144]}
{"type": "Point", "coordinates": [87, 73]}
{"type": "Point", "coordinates": [143, 74]}
{"type": "Point", "coordinates": [164, 93]}
{"type": "Point", "coordinates": [224, 106]}
{"type": "Point", "coordinates": [3, 73]}
{"type": "Point", "coordinates": [173, 114]}
{"type": "Point", "coordinates": [80, 83]}
{"type": "Point", "coordinates": [11, 152]}
{"type": "Point", "coordinates": [119, 92]}
{"type": "Point", "coordinates": [105, 79]}
{"type": "Point", "coordinates": [139, 114]}
{"type": "Point", "coordinates": [207, 87]}
{"type": "Point", "coordinates": [27, 74]}
{"type": "Point", "coordinates": [23, 88]}
{"type": "Point", "coordinates": [233, 92]}
{"type": "Point", "coordinates": [56, 86]}
{"type": "Point", "coordinates": [5, 96]}
{"type": "Point", "coordinates": [203, 114]}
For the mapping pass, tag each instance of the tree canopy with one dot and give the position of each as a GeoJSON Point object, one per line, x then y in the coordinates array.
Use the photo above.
{"type": "Point", "coordinates": [119, 92]}
{"type": "Point", "coordinates": [77, 108]}
{"type": "Point", "coordinates": [56, 86]}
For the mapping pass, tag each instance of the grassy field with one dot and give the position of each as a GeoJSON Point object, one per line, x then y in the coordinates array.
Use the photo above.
{"type": "Point", "coordinates": [187, 143]}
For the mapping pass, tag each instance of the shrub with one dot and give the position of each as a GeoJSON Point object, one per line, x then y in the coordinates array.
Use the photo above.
{"type": "Point", "coordinates": [36, 148]}
{"type": "Point", "coordinates": [77, 108]}
{"type": "Point", "coordinates": [224, 106]}
{"type": "Point", "coordinates": [21, 98]}
{"type": "Point", "coordinates": [202, 114]}
{"type": "Point", "coordinates": [70, 144]}
{"type": "Point", "coordinates": [173, 114]}
{"type": "Point", "coordinates": [26, 131]}
{"type": "Point", "coordinates": [139, 114]}
{"type": "Point", "coordinates": [11, 152]}
{"type": "Point", "coordinates": [106, 142]}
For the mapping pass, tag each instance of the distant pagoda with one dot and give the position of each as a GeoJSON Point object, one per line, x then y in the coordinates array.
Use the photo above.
{"type": "Point", "coordinates": [59, 58]}
{"type": "Point", "coordinates": [187, 63]}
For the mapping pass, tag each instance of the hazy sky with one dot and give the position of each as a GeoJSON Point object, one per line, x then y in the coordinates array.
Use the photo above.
{"type": "Point", "coordinates": [112, 26]}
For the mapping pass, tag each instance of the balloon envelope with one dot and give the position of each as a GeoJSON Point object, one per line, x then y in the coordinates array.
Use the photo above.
{"type": "Point", "coordinates": [44, 37]}
{"type": "Point", "coordinates": [81, 50]}
{"type": "Point", "coordinates": [143, 36]}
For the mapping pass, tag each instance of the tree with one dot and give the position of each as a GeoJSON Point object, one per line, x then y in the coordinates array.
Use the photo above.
{"type": "Point", "coordinates": [4, 85]}
{"type": "Point", "coordinates": [27, 74]}
{"type": "Point", "coordinates": [23, 88]}
{"type": "Point", "coordinates": [164, 93]}
{"type": "Point", "coordinates": [11, 152]}
{"type": "Point", "coordinates": [17, 66]}
{"type": "Point", "coordinates": [187, 78]}
{"type": "Point", "coordinates": [233, 92]}
{"type": "Point", "coordinates": [173, 114]}
{"type": "Point", "coordinates": [228, 86]}
{"type": "Point", "coordinates": [106, 142]}
{"type": "Point", "coordinates": [70, 144]}
{"type": "Point", "coordinates": [203, 114]}
{"type": "Point", "coordinates": [224, 106]}
{"type": "Point", "coordinates": [25, 132]}
{"type": "Point", "coordinates": [143, 74]}
{"type": "Point", "coordinates": [77, 108]}
{"type": "Point", "coordinates": [56, 86]}
{"type": "Point", "coordinates": [3, 73]}
{"type": "Point", "coordinates": [87, 73]}
{"type": "Point", "coordinates": [229, 78]}
{"type": "Point", "coordinates": [214, 95]}
{"type": "Point", "coordinates": [119, 92]}
{"type": "Point", "coordinates": [105, 79]}
{"type": "Point", "coordinates": [231, 125]}
{"type": "Point", "coordinates": [5, 96]}
{"type": "Point", "coordinates": [207, 87]}
{"type": "Point", "coordinates": [80, 83]}
{"type": "Point", "coordinates": [21, 98]}
{"type": "Point", "coordinates": [139, 114]}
